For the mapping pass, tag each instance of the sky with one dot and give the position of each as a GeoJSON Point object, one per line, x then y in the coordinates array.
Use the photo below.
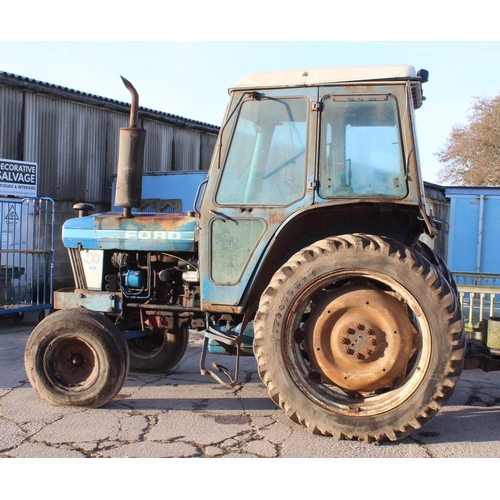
{"type": "Point", "coordinates": [183, 62]}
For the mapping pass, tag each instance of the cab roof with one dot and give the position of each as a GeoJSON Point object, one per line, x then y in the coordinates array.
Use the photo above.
{"type": "Point", "coordinates": [331, 75]}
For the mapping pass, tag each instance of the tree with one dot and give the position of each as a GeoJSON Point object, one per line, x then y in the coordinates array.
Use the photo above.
{"type": "Point", "coordinates": [472, 151]}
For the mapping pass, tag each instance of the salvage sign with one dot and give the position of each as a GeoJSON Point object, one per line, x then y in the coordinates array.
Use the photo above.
{"type": "Point", "coordinates": [18, 178]}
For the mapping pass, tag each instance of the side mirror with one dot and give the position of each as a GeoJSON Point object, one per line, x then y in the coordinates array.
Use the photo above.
{"type": "Point", "coordinates": [424, 75]}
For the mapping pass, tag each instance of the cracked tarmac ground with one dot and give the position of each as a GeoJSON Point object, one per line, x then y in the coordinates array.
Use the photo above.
{"type": "Point", "coordinates": [185, 414]}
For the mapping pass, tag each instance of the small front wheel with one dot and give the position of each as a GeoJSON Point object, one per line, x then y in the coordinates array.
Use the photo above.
{"type": "Point", "coordinates": [76, 357]}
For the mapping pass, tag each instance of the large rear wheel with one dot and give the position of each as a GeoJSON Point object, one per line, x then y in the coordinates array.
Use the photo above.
{"type": "Point", "coordinates": [76, 357]}
{"type": "Point", "coordinates": [438, 262]}
{"type": "Point", "coordinates": [359, 337]}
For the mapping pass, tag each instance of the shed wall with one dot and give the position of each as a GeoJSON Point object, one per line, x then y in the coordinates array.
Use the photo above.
{"type": "Point", "coordinates": [11, 121]}
{"type": "Point", "coordinates": [74, 139]}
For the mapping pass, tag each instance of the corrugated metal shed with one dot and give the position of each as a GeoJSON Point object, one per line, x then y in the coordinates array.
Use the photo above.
{"type": "Point", "coordinates": [11, 122]}
{"type": "Point", "coordinates": [73, 136]}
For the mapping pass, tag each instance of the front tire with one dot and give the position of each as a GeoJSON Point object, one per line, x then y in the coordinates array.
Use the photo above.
{"type": "Point", "coordinates": [76, 357]}
{"type": "Point", "coordinates": [359, 337]}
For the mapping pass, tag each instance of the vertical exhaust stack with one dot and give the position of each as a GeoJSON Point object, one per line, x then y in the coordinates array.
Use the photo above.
{"type": "Point", "coordinates": [130, 159]}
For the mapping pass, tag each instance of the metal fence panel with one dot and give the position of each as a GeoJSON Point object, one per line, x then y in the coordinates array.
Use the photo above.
{"type": "Point", "coordinates": [26, 254]}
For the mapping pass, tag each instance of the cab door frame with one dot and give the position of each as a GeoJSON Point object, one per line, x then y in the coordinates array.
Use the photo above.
{"type": "Point", "coordinates": [231, 229]}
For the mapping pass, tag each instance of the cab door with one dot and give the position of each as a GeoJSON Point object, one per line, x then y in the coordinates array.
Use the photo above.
{"type": "Point", "coordinates": [264, 173]}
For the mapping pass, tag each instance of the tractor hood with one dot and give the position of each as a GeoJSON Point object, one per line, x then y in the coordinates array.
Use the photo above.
{"type": "Point", "coordinates": [142, 232]}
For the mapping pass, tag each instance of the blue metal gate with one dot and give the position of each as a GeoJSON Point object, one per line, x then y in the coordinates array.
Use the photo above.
{"type": "Point", "coordinates": [26, 255]}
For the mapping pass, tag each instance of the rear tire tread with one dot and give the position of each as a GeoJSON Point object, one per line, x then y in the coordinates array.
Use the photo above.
{"type": "Point", "coordinates": [438, 286]}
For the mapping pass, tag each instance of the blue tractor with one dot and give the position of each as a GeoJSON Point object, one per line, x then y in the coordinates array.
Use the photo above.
{"type": "Point", "coordinates": [302, 249]}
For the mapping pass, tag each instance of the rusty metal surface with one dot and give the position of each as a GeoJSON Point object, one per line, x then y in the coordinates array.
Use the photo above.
{"type": "Point", "coordinates": [130, 158]}
{"type": "Point", "coordinates": [134, 105]}
{"type": "Point", "coordinates": [359, 338]}
{"type": "Point", "coordinates": [159, 232]}
{"type": "Point", "coordinates": [70, 298]}
{"type": "Point", "coordinates": [144, 221]}
{"type": "Point", "coordinates": [73, 362]}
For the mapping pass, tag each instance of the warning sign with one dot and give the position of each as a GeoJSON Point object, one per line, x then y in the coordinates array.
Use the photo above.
{"type": "Point", "coordinates": [11, 215]}
{"type": "Point", "coordinates": [12, 218]}
{"type": "Point", "coordinates": [18, 178]}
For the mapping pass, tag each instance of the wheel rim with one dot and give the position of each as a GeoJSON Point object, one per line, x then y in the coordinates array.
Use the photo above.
{"type": "Point", "coordinates": [361, 340]}
{"type": "Point", "coordinates": [71, 364]}
{"type": "Point", "coordinates": [335, 319]}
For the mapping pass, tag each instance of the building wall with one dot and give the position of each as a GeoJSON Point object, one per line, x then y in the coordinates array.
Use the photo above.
{"type": "Point", "coordinates": [74, 138]}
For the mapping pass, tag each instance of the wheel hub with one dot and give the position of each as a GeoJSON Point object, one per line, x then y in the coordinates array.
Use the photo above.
{"type": "Point", "coordinates": [71, 362]}
{"type": "Point", "coordinates": [358, 341]}
{"type": "Point", "coordinates": [359, 337]}
{"type": "Point", "coordinates": [77, 360]}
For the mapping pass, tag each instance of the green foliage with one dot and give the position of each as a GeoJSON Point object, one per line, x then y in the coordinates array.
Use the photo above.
{"type": "Point", "coordinates": [472, 152]}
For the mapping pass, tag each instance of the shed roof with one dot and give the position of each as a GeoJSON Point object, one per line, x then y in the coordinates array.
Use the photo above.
{"type": "Point", "coordinates": [457, 191]}
{"type": "Point", "coordinates": [30, 84]}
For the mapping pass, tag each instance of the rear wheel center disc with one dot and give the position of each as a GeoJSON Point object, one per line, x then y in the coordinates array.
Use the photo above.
{"type": "Point", "coordinates": [360, 338]}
